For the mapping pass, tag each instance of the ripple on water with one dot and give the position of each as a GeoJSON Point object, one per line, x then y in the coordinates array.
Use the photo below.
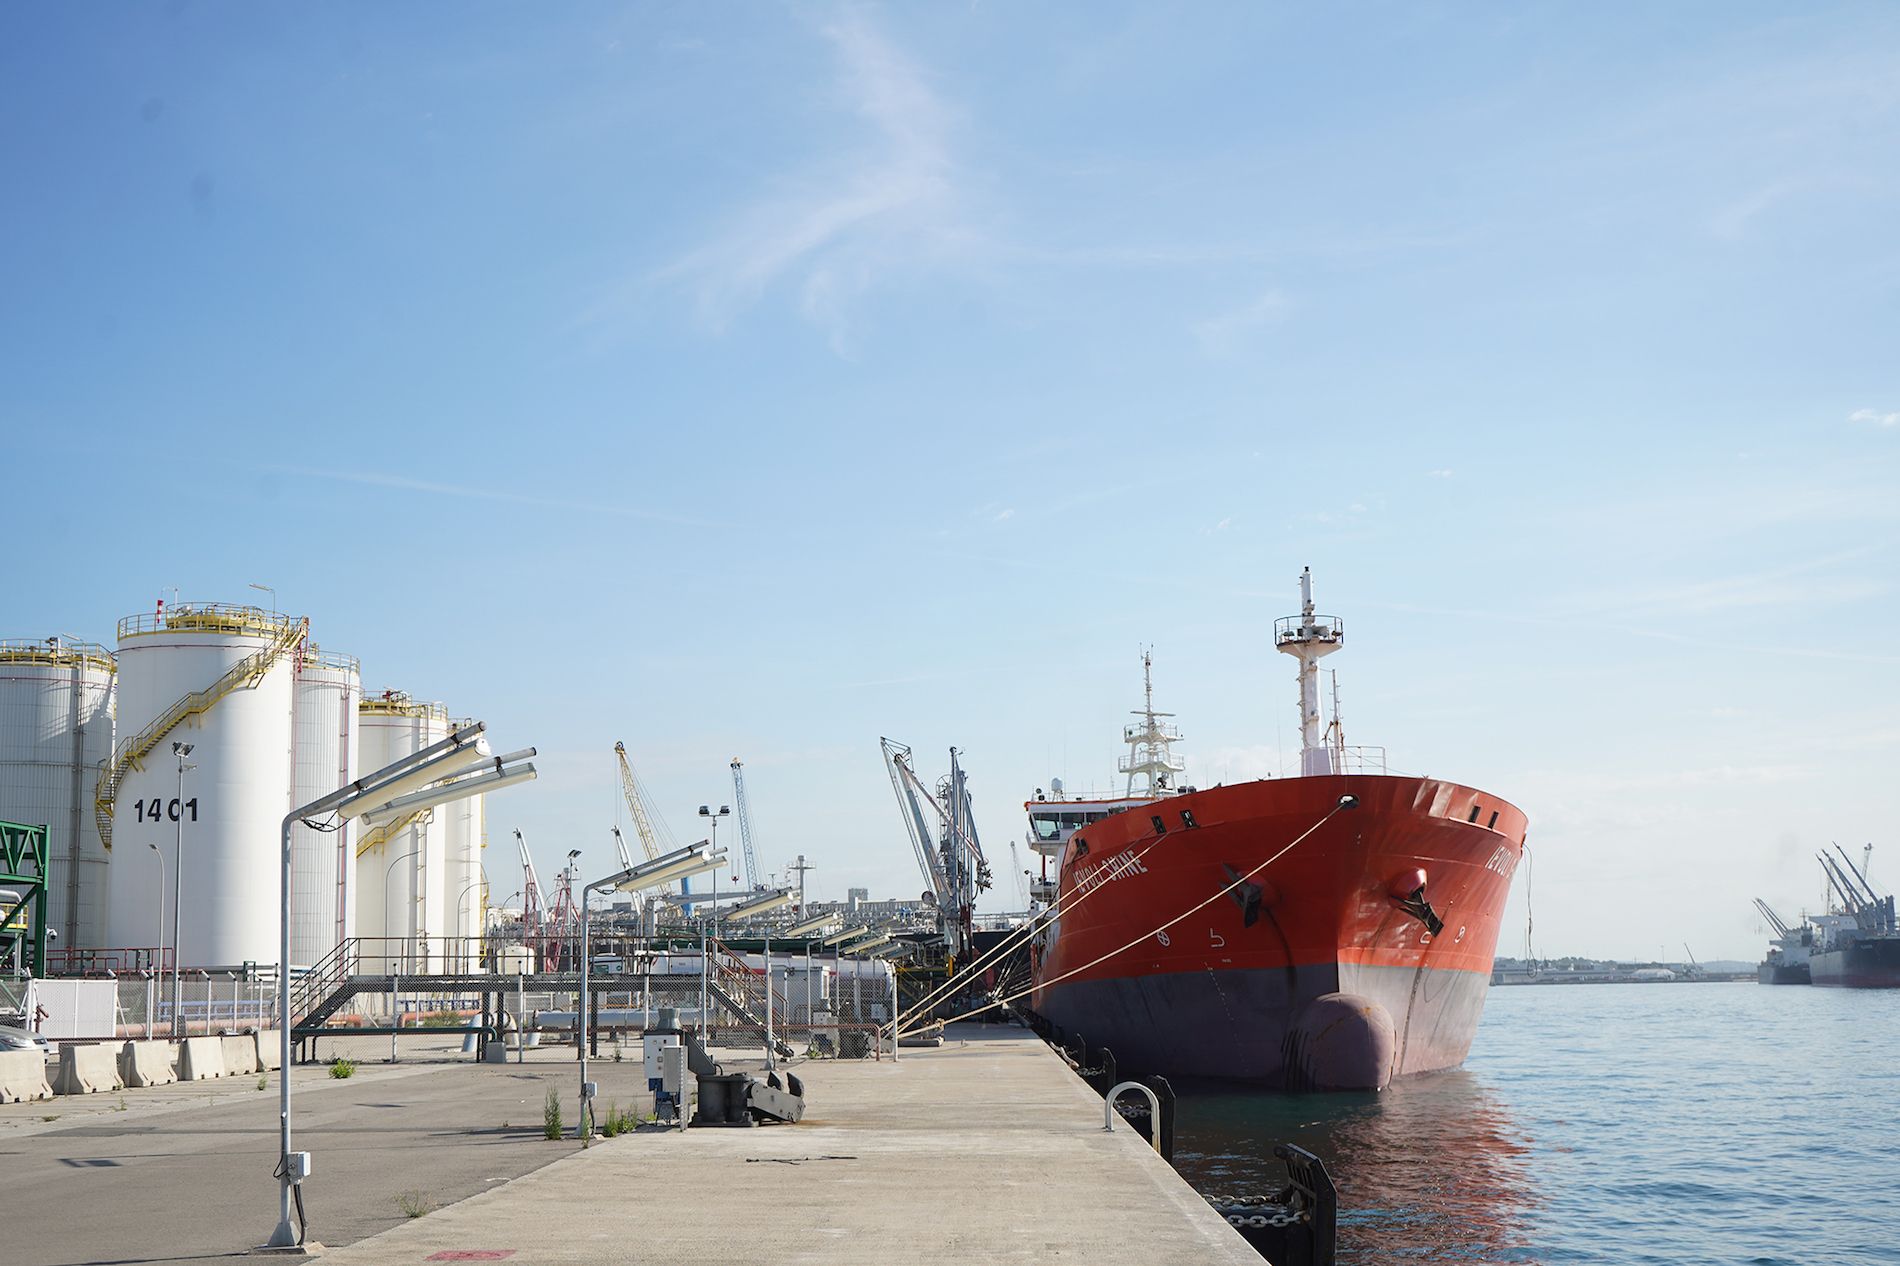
{"type": "Point", "coordinates": [1652, 1125]}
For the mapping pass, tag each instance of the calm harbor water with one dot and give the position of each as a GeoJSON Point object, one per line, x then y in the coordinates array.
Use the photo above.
{"type": "Point", "coordinates": [1666, 1124]}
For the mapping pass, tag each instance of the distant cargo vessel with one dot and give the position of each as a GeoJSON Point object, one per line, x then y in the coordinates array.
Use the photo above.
{"type": "Point", "coordinates": [1328, 931]}
{"type": "Point", "coordinates": [1858, 947]}
{"type": "Point", "coordinates": [1787, 961]}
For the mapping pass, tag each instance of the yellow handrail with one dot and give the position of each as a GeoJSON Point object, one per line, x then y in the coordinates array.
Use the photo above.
{"type": "Point", "coordinates": [243, 675]}
{"type": "Point", "coordinates": [390, 830]}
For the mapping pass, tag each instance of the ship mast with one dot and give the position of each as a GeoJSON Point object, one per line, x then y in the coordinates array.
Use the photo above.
{"type": "Point", "coordinates": [1308, 638]}
{"type": "Point", "coordinates": [1150, 754]}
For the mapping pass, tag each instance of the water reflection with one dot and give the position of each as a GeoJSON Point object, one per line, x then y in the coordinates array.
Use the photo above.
{"type": "Point", "coordinates": [1433, 1169]}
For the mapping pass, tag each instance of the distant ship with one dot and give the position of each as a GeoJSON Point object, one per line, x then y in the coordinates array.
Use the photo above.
{"type": "Point", "coordinates": [1858, 946]}
{"type": "Point", "coordinates": [1360, 953]}
{"type": "Point", "coordinates": [1787, 961]}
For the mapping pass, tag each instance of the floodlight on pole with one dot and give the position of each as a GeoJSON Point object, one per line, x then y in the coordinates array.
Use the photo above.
{"type": "Point", "coordinates": [400, 787]}
{"type": "Point", "coordinates": [858, 947]}
{"type": "Point", "coordinates": [695, 859]}
{"type": "Point", "coordinates": [811, 926]}
{"type": "Point", "coordinates": [847, 934]}
{"type": "Point", "coordinates": [760, 904]}
{"type": "Point", "coordinates": [433, 797]}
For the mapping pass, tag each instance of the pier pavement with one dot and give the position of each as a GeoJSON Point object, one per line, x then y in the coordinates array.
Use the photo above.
{"type": "Point", "coordinates": [987, 1149]}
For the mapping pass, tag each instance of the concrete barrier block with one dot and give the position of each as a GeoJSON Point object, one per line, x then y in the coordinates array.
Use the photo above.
{"type": "Point", "coordinates": [148, 1063]}
{"type": "Point", "coordinates": [200, 1058]}
{"type": "Point", "coordinates": [270, 1057]}
{"type": "Point", "coordinates": [240, 1055]}
{"type": "Point", "coordinates": [86, 1070]}
{"type": "Point", "coordinates": [23, 1077]}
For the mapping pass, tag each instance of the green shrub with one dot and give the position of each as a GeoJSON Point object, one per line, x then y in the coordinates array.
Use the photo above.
{"type": "Point", "coordinates": [341, 1068]}
{"type": "Point", "coordinates": [551, 1114]}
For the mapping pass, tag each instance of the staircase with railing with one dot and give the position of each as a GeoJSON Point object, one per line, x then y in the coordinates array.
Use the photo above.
{"type": "Point", "coordinates": [243, 675]}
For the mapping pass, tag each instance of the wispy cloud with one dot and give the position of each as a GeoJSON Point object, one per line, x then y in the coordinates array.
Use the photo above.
{"type": "Point", "coordinates": [838, 232]}
{"type": "Point", "coordinates": [405, 483]}
{"type": "Point", "coordinates": [1443, 472]}
{"type": "Point", "coordinates": [1221, 335]}
{"type": "Point", "coordinates": [1874, 417]}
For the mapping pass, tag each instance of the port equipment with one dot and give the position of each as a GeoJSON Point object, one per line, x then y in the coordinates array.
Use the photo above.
{"type": "Point", "coordinates": [22, 898]}
{"type": "Point", "coordinates": [453, 769]}
{"type": "Point", "coordinates": [951, 858]}
{"type": "Point", "coordinates": [651, 839]}
{"type": "Point", "coordinates": [752, 877]}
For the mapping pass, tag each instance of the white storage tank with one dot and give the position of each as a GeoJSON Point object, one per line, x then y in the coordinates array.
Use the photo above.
{"type": "Point", "coordinates": [323, 758]}
{"type": "Point", "coordinates": [402, 896]}
{"type": "Point", "coordinates": [220, 678]}
{"type": "Point", "coordinates": [466, 830]}
{"type": "Point", "coordinates": [55, 735]}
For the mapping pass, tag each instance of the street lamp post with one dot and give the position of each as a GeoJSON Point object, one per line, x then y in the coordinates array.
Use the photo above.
{"type": "Point", "coordinates": [414, 783]}
{"type": "Point", "coordinates": [158, 967]}
{"type": "Point", "coordinates": [705, 941]}
{"type": "Point", "coordinates": [389, 877]}
{"type": "Point", "coordinates": [180, 750]}
{"type": "Point", "coordinates": [460, 907]}
{"type": "Point", "coordinates": [651, 874]}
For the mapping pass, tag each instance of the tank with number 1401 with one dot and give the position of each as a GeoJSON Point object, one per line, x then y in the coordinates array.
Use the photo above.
{"type": "Point", "coordinates": [1329, 931]}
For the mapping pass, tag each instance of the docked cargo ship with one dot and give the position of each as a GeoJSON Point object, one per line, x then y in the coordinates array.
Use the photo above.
{"type": "Point", "coordinates": [1327, 931]}
{"type": "Point", "coordinates": [1858, 945]}
{"type": "Point", "coordinates": [1787, 959]}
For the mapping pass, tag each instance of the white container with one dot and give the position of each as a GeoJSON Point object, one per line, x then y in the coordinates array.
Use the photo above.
{"type": "Point", "coordinates": [464, 835]}
{"type": "Point", "coordinates": [402, 902]}
{"type": "Point", "coordinates": [55, 734]}
{"type": "Point", "coordinates": [323, 758]}
{"type": "Point", "coordinates": [233, 803]}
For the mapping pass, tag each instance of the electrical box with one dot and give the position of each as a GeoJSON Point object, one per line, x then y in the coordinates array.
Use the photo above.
{"type": "Point", "coordinates": [298, 1166]}
{"type": "Point", "coordinates": [590, 1090]}
{"type": "Point", "coordinates": [652, 1049]}
{"type": "Point", "coordinates": [673, 1069]}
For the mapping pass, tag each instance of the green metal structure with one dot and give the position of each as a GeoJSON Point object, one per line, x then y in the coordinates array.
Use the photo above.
{"type": "Point", "coordinates": [23, 908]}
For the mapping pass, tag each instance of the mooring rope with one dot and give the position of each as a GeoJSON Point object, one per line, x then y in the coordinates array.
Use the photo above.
{"type": "Point", "coordinates": [1062, 906]}
{"type": "Point", "coordinates": [1345, 802]}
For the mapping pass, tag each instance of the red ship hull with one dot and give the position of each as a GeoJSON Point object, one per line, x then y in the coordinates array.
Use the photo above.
{"type": "Point", "coordinates": [1326, 977]}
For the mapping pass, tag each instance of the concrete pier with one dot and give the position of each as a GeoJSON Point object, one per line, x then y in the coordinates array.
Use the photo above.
{"type": "Point", "coordinates": [986, 1149]}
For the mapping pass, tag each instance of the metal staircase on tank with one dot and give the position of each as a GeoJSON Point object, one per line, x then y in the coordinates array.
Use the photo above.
{"type": "Point", "coordinates": [243, 675]}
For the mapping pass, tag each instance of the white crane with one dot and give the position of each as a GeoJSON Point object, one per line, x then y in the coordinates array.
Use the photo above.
{"type": "Point", "coordinates": [753, 878]}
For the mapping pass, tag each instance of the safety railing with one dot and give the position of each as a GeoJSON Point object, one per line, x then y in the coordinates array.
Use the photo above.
{"type": "Point", "coordinates": [286, 633]}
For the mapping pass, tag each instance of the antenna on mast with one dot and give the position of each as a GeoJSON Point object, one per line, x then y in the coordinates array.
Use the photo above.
{"type": "Point", "coordinates": [1150, 744]}
{"type": "Point", "coordinates": [1309, 637]}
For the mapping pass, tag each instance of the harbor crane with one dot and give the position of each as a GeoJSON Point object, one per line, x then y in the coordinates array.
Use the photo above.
{"type": "Point", "coordinates": [534, 915]}
{"type": "Point", "coordinates": [1775, 921]}
{"type": "Point", "coordinates": [950, 857]}
{"type": "Point", "coordinates": [637, 808]}
{"type": "Point", "coordinates": [753, 879]}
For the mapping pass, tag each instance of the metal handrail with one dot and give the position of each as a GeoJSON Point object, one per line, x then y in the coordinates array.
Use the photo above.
{"type": "Point", "coordinates": [245, 673]}
{"type": "Point", "coordinates": [35, 651]}
{"type": "Point", "coordinates": [207, 617]}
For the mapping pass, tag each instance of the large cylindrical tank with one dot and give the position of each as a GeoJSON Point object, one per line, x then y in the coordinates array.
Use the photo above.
{"type": "Point", "coordinates": [55, 735]}
{"type": "Point", "coordinates": [222, 676]}
{"type": "Point", "coordinates": [402, 897]}
{"type": "Point", "coordinates": [466, 831]}
{"type": "Point", "coordinates": [324, 757]}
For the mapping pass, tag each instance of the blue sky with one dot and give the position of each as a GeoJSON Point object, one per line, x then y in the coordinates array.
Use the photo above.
{"type": "Point", "coordinates": [760, 379]}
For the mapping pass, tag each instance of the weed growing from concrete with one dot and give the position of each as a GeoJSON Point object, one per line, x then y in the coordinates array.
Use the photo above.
{"type": "Point", "coordinates": [551, 1114]}
{"type": "Point", "coordinates": [341, 1068]}
{"type": "Point", "coordinates": [617, 1122]}
{"type": "Point", "coordinates": [54, 1117]}
{"type": "Point", "coordinates": [263, 1081]}
{"type": "Point", "coordinates": [121, 1107]}
{"type": "Point", "coordinates": [415, 1203]}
